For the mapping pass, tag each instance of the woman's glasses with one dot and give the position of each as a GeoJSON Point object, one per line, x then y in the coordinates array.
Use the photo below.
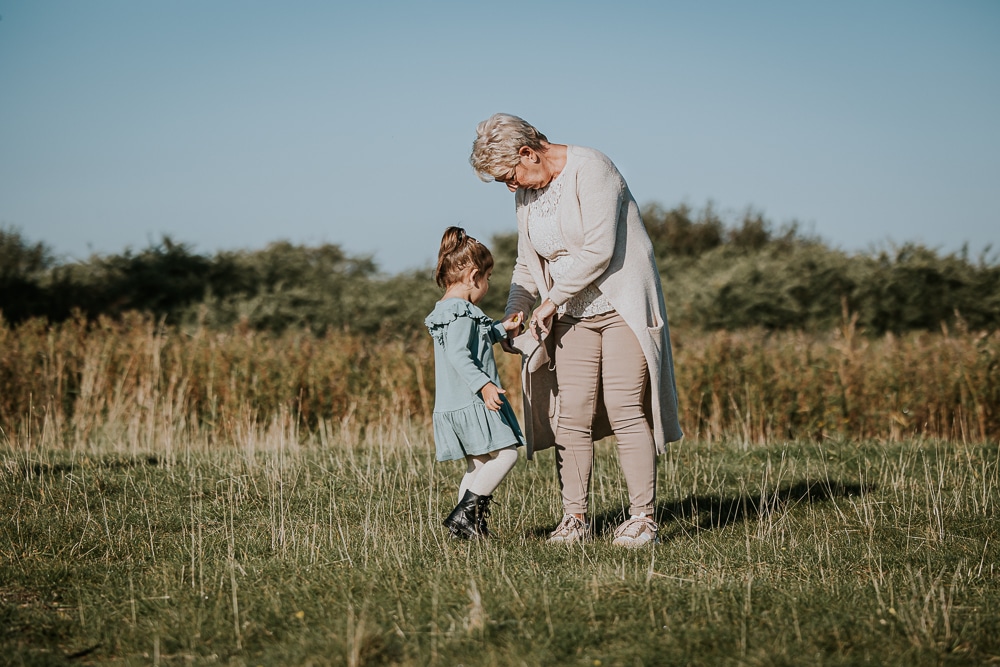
{"type": "Point", "coordinates": [510, 178]}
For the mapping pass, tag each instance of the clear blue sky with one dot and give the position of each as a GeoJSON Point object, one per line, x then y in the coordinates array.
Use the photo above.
{"type": "Point", "coordinates": [230, 124]}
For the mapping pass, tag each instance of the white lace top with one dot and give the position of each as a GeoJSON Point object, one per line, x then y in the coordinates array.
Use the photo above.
{"type": "Point", "coordinates": [547, 240]}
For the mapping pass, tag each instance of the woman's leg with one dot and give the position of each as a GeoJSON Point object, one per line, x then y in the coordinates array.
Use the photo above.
{"type": "Point", "coordinates": [578, 367]}
{"type": "Point", "coordinates": [625, 378]}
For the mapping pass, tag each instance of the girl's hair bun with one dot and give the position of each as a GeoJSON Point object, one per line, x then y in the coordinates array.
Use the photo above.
{"type": "Point", "coordinates": [458, 253]}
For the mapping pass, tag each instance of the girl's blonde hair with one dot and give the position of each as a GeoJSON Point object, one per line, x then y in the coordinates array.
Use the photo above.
{"type": "Point", "coordinates": [457, 254]}
{"type": "Point", "coordinates": [498, 140]}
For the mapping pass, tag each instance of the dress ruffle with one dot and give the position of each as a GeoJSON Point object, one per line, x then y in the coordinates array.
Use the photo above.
{"type": "Point", "coordinates": [447, 311]}
{"type": "Point", "coordinates": [475, 430]}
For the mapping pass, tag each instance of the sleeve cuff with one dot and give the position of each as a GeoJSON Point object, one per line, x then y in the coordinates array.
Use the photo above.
{"type": "Point", "coordinates": [499, 333]}
{"type": "Point", "coordinates": [558, 297]}
{"type": "Point", "coordinates": [483, 381]}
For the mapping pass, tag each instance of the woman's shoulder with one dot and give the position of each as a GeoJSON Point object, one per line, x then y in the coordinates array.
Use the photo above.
{"type": "Point", "coordinates": [590, 163]}
{"type": "Point", "coordinates": [581, 155]}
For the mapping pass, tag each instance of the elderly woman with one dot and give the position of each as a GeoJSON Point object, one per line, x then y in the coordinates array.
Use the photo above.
{"type": "Point", "coordinates": [583, 251]}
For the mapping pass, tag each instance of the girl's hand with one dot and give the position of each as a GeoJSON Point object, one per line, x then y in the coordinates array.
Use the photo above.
{"type": "Point", "coordinates": [513, 325]}
{"type": "Point", "coordinates": [541, 320]}
{"type": "Point", "coordinates": [491, 396]}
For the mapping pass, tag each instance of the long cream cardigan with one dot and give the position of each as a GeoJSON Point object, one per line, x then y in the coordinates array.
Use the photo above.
{"type": "Point", "coordinates": [600, 224]}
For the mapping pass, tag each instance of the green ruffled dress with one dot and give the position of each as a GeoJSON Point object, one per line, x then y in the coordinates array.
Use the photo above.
{"type": "Point", "coordinates": [463, 363]}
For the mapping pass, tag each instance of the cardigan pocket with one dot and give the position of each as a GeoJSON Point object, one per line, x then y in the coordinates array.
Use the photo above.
{"type": "Point", "coordinates": [656, 337]}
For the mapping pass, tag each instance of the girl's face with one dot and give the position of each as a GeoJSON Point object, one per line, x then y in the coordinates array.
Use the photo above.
{"type": "Point", "coordinates": [480, 286]}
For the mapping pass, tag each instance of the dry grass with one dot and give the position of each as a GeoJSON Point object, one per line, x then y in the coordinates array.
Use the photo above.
{"type": "Point", "coordinates": [134, 386]}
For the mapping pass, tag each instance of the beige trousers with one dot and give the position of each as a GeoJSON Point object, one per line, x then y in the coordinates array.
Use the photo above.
{"type": "Point", "coordinates": [602, 353]}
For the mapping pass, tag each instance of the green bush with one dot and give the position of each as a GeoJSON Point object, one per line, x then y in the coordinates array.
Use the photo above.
{"type": "Point", "coordinates": [22, 270]}
{"type": "Point", "coordinates": [715, 276]}
{"type": "Point", "coordinates": [749, 275]}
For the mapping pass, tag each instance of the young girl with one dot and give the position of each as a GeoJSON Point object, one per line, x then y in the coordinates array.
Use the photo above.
{"type": "Point", "coordinates": [472, 418]}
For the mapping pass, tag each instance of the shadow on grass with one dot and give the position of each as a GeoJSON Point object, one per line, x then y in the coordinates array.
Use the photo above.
{"type": "Point", "coordinates": [105, 462]}
{"type": "Point", "coordinates": [715, 512]}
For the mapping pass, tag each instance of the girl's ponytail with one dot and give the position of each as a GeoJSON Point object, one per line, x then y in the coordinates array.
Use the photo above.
{"type": "Point", "coordinates": [457, 253]}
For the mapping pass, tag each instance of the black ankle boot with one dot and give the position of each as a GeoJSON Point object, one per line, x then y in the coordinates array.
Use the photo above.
{"type": "Point", "coordinates": [483, 511]}
{"type": "Point", "coordinates": [464, 519]}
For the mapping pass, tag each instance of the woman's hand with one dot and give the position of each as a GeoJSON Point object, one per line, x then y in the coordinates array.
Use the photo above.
{"type": "Point", "coordinates": [541, 320]}
{"type": "Point", "coordinates": [491, 396]}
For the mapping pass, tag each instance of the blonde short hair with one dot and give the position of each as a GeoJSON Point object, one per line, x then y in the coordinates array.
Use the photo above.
{"type": "Point", "coordinates": [498, 140]}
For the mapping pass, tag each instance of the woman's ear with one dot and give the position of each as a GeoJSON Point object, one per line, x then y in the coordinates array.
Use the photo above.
{"type": "Point", "coordinates": [528, 152]}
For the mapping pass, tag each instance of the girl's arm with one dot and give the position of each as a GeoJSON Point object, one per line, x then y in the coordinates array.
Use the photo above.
{"type": "Point", "coordinates": [456, 350]}
{"type": "Point", "coordinates": [508, 326]}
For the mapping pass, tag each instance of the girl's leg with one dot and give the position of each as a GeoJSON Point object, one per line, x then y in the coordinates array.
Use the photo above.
{"type": "Point", "coordinates": [485, 472]}
{"type": "Point", "coordinates": [493, 470]}
{"type": "Point", "coordinates": [475, 464]}
{"type": "Point", "coordinates": [625, 377]}
{"type": "Point", "coordinates": [578, 367]}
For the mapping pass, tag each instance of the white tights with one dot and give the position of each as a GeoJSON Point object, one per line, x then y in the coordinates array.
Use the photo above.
{"type": "Point", "coordinates": [485, 472]}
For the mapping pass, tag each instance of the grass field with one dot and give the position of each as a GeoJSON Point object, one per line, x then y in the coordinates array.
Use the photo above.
{"type": "Point", "coordinates": [326, 548]}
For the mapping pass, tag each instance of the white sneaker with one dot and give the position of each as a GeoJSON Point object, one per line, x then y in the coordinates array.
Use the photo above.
{"type": "Point", "coordinates": [636, 532]}
{"type": "Point", "coordinates": [569, 530]}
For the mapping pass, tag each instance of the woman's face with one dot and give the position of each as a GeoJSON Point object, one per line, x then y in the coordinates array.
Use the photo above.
{"type": "Point", "coordinates": [510, 180]}
{"type": "Point", "coordinates": [531, 173]}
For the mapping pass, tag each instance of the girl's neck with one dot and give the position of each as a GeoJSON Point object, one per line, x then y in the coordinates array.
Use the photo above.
{"type": "Point", "coordinates": [458, 291]}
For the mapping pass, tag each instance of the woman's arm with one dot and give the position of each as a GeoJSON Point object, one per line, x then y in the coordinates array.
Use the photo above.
{"type": "Point", "coordinates": [600, 191]}
{"type": "Point", "coordinates": [523, 290]}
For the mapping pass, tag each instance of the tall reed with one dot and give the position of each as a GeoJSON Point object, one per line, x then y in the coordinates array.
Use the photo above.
{"type": "Point", "coordinates": [135, 384]}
